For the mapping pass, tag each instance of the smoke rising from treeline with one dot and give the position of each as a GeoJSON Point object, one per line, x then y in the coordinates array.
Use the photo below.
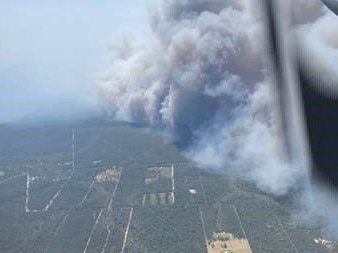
{"type": "Point", "coordinates": [204, 81]}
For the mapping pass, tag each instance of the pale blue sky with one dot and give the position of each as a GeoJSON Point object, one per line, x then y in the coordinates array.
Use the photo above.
{"type": "Point", "coordinates": [52, 51]}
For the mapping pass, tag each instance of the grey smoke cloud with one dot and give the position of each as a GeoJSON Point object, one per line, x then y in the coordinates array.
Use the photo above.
{"type": "Point", "coordinates": [204, 81]}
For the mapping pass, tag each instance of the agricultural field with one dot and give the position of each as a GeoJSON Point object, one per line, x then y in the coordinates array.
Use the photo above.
{"type": "Point", "coordinates": [109, 187]}
{"type": "Point", "coordinates": [159, 179]}
{"type": "Point", "coordinates": [228, 243]}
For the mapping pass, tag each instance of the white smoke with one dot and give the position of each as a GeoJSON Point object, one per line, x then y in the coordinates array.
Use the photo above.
{"type": "Point", "coordinates": [204, 82]}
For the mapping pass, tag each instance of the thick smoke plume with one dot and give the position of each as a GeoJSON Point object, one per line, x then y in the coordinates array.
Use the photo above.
{"type": "Point", "coordinates": [204, 81]}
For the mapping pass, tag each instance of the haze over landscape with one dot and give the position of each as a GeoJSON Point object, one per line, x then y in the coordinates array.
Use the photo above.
{"type": "Point", "coordinates": [52, 53]}
{"type": "Point", "coordinates": [154, 122]}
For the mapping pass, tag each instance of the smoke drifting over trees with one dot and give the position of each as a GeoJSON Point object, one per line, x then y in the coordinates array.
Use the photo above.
{"type": "Point", "coordinates": [204, 81]}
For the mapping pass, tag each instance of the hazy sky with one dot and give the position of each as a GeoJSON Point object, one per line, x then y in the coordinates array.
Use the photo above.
{"type": "Point", "coordinates": [52, 51]}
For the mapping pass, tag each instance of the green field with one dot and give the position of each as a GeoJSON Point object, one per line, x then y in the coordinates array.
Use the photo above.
{"type": "Point", "coordinates": [73, 223]}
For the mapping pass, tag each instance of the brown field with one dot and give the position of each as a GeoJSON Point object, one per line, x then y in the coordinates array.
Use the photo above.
{"type": "Point", "coordinates": [155, 173]}
{"type": "Point", "coordinates": [111, 175]}
{"type": "Point", "coordinates": [228, 243]}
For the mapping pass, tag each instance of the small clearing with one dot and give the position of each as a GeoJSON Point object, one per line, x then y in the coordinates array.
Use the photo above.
{"type": "Point", "coordinates": [223, 242]}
